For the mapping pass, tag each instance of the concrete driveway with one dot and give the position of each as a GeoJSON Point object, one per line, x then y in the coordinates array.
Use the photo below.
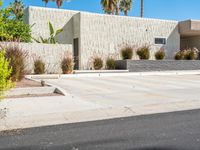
{"type": "Point", "coordinates": [133, 90]}
{"type": "Point", "coordinates": [97, 98]}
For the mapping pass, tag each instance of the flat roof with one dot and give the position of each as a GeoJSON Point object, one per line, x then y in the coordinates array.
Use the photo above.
{"type": "Point", "coordinates": [189, 28]}
{"type": "Point", "coordinates": [99, 14]}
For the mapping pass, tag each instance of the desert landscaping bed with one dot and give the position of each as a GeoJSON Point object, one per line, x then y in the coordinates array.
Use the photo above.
{"type": "Point", "coordinates": [29, 88]}
{"type": "Point", "coordinates": [24, 83]}
{"type": "Point", "coordinates": [34, 95]}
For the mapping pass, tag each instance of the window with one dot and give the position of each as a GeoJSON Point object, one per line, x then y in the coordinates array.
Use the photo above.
{"type": "Point", "coordinates": [160, 41]}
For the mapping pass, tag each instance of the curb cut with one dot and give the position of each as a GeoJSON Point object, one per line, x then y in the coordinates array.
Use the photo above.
{"type": "Point", "coordinates": [58, 89]}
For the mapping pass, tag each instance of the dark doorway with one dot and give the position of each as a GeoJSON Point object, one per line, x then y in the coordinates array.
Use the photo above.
{"type": "Point", "coordinates": [76, 54]}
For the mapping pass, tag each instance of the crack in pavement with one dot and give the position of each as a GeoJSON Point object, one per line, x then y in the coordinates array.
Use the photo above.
{"type": "Point", "coordinates": [3, 113]}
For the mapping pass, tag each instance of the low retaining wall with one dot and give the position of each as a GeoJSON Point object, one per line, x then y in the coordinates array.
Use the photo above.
{"type": "Point", "coordinates": [51, 54]}
{"type": "Point", "coordinates": [157, 65]}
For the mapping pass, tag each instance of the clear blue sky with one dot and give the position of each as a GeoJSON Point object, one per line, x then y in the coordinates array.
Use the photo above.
{"type": "Point", "coordinates": [163, 9]}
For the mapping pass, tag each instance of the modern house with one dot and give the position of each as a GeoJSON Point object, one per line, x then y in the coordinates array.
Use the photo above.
{"type": "Point", "coordinates": [98, 34]}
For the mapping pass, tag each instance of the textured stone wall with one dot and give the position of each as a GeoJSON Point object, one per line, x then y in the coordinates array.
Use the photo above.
{"type": "Point", "coordinates": [190, 42]}
{"type": "Point", "coordinates": [158, 65]}
{"type": "Point", "coordinates": [51, 54]}
{"type": "Point", "coordinates": [40, 17]}
{"type": "Point", "coordinates": [103, 35]}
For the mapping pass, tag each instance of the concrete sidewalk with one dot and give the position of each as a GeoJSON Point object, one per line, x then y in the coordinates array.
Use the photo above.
{"type": "Point", "coordinates": [97, 98]}
{"type": "Point", "coordinates": [31, 112]}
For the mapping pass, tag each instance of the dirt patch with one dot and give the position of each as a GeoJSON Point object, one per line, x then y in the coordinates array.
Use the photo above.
{"type": "Point", "coordinates": [35, 95]}
{"type": "Point", "coordinates": [27, 83]}
{"type": "Point", "coordinates": [11, 132]}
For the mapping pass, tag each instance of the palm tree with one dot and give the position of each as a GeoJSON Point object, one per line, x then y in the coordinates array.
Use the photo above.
{"type": "Point", "coordinates": [125, 6]}
{"type": "Point", "coordinates": [108, 6]}
{"type": "Point", "coordinates": [116, 4]}
{"type": "Point", "coordinates": [18, 9]}
{"type": "Point", "coordinates": [46, 2]}
{"type": "Point", "coordinates": [142, 9]}
{"type": "Point", "coordinates": [59, 2]}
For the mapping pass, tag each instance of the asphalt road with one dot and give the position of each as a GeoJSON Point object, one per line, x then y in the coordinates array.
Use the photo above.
{"type": "Point", "coordinates": [171, 131]}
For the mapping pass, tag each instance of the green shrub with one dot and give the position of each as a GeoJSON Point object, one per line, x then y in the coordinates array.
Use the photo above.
{"type": "Point", "coordinates": [39, 67]}
{"type": "Point", "coordinates": [160, 55]}
{"type": "Point", "coordinates": [126, 52]}
{"type": "Point", "coordinates": [67, 65]}
{"type": "Point", "coordinates": [143, 52]}
{"type": "Point", "coordinates": [17, 62]}
{"type": "Point", "coordinates": [12, 26]}
{"type": "Point", "coordinates": [191, 55]}
{"type": "Point", "coordinates": [110, 63]}
{"type": "Point", "coordinates": [5, 72]}
{"type": "Point", "coordinates": [97, 63]}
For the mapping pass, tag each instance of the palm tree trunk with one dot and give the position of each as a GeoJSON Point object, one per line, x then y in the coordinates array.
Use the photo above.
{"type": "Point", "coordinates": [46, 2]}
{"type": "Point", "coordinates": [59, 3]}
{"type": "Point", "coordinates": [126, 12]}
{"type": "Point", "coordinates": [117, 8]}
{"type": "Point", "coordinates": [142, 9]}
{"type": "Point", "coordinates": [111, 6]}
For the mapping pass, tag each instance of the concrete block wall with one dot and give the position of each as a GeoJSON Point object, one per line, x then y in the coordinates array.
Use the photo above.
{"type": "Point", "coordinates": [101, 34]}
{"type": "Point", "coordinates": [40, 17]}
{"type": "Point", "coordinates": [51, 54]}
{"type": "Point", "coordinates": [190, 42]}
{"type": "Point", "coordinates": [158, 65]}
{"type": "Point", "coordinates": [104, 34]}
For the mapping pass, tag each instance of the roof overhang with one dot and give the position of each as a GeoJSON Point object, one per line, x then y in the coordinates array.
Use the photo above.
{"type": "Point", "coordinates": [189, 28]}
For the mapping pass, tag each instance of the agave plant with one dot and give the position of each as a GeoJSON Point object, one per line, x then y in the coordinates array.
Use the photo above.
{"type": "Point", "coordinates": [52, 37]}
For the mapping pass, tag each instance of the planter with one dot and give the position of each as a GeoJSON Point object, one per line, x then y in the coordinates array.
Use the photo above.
{"type": "Point", "coordinates": [68, 72]}
{"type": "Point", "coordinates": [157, 65]}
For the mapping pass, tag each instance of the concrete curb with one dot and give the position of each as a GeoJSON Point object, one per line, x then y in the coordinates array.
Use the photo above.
{"type": "Point", "coordinates": [99, 71]}
{"type": "Point", "coordinates": [157, 73]}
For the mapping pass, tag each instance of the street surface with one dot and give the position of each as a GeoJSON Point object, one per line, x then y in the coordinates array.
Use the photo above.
{"type": "Point", "coordinates": [170, 131]}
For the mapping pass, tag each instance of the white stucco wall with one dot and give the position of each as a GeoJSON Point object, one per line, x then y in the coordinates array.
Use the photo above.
{"type": "Point", "coordinates": [104, 34]}
{"type": "Point", "coordinates": [50, 54]}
